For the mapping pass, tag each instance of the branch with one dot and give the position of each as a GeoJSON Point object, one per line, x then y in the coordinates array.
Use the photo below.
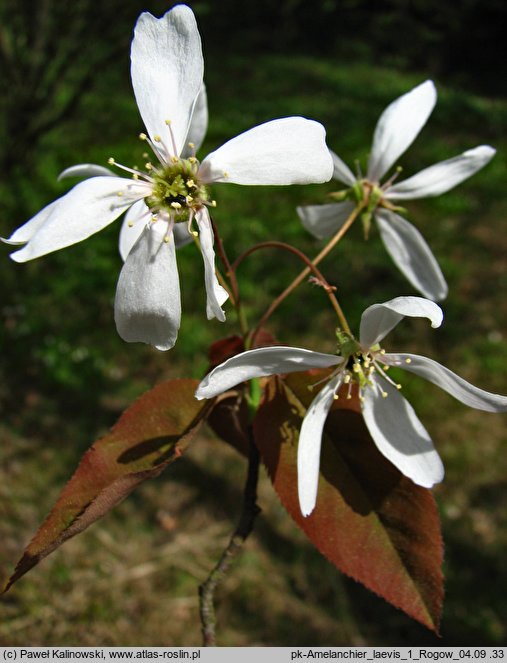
{"type": "Point", "coordinates": [245, 526]}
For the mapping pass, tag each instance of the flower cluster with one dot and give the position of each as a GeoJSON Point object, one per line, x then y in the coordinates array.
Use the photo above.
{"type": "Point", "coordinates": [167, 203]}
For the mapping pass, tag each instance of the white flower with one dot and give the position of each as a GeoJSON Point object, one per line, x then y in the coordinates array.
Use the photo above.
{"type": "Point", "coordinates": [397, 128]}
{"type": "Point", "coordinates": [391, 420]}
{"type": "Point", "coordinates": [167, 77]}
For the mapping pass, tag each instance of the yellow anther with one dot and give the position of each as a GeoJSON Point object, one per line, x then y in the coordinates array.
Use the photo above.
{"type": "Point", "coordinates": [189, 199]}
{"type": "Point", "coordinates": [349, 396]}
{"type": "Point", "coordinates": [176, 205]}
{"type": "Point", "coordinates": [398, 386]}
{"type": "Point", "coordinates": [195, 233]}
{"type": "Point", "coordinates": [347, 378]}
{"type": "Point", "coordinates": [157, 138]}
{"type": "Point", "coordinates": [130, 224]}
{"type": "Point", "coordinates": [135, 176]}
{"type": "Point", "coordinates": [336, 397]}
{"type": "Point", "coordinates": [382, 352]}
{"type": "Point", "coordinates": [213, 203]}
{"type": "Point", "coordinates": [148, 166]}
{"type": "Point", "coordinates": [145, 155]}
{"type": "Point", "coordinates": [166, 239]}
{"type": "Point", "coordinates": [408, 360]}
{"type": "Point", "coordinates": [385, 367]}
{"type": "Point", "coordinates": [192, 159]}
{"type": "Point", "coordinates": [174, 159]}
{"type": "Point", "coordinates": [168, 122]}
{"type": "Point", "coordinates": [385, 394]}
{"type": "Point", "coordinates": [226, 174]}
{"type": "Point", "coordinates": [120, 193]}
{"type": "Point", "coordinates": [143, 136]}
{"type": "Point", "coordinates": [356, 368]}
{"type": "Point", "coordinates": [110, 161]}
{"type": "Point", "coordinates": [191, 145]}
{"type": "Point", "coordinates": [190, 183]}
{"type": "Point", "coordinates": [154, 218]}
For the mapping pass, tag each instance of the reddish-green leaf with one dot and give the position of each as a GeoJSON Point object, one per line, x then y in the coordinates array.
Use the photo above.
{"type": "Point", "coordinates": [149, 435]}
{"type": "Point", "coordinates": [370, 521]}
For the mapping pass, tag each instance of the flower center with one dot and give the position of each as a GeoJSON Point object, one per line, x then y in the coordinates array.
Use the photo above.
{"type": "Point", "coordinates": [176, 189]}
{"type": "Point", "coordinates": [368, 195]}
{"type": "Point", "coordinates": [175, 192]}
{"type": "Point", "coordinates": [361, 365]}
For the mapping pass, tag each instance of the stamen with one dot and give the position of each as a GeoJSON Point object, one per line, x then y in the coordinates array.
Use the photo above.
{"type": "Point", "coordinates": [408, 360]}
{"type": "Point", "coordinates": [135, 173]}
{"type": "Point", "coordinates": [173, 141]}
{"type": "Point", "coordinates": [393, 177]}
{"type": "Point", "coordinates": [167, 239]}
{"type": "Point", "coordinates": [130, 224]}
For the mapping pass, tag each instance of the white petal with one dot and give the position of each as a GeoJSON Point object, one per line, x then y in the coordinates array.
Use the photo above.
{"type": "Point", "coordinates": [411, 254]}
{"type": "Point", "coordinates": [442, 176]}
{"type": "Point", "coordinates": [216, 295]}
{"type": "Point", "coordinates": [167, 71]}
{"type": "Point", "coordinates": [138, 215]}
{"type": "Point", "coordinates": [181, 235]}
{"type": "Point", "coordinates": [259, 363]}
{"type": "Point", "coordinates": [310, 441]}
{"type": "Point", "coordinates": [325, 220]}
{"type": "Point", "coordinates": [400, 436]}
{"type": "Point", "coordinates": [86, 170]}
{"type": "Point", "coordinates": [398, 127]}
{"type": "Point", "coordinates": [378, 320]}
{"type": "Point", "coordinates": [198, 124]}
{"type": "Point", "coordinates": [147, 307]}
{"type": "Point", "coordinates": [291, 150]}
{"type": "Point", "coordinates": [87, 208]}
{"type": "Point", "coordinates": [25, 232]}
{"type": "Point", "coordinates": [341, 171]}
{"type": "Point", "coordinates": [132, 227]}
{"type": "Point", "coordinates": [448, 381]}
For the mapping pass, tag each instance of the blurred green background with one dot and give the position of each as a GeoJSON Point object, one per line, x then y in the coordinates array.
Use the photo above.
{"type": "Point", "coordinates": [65, 375]}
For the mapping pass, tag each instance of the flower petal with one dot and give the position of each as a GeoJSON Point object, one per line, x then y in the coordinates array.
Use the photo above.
{"type": "Point", "coordinates": [378, 320]}
{"type": "Point", "coordinates": [259, 363]}
{"type": "Point", "coordinates": [310, 442]}
{"type": "Point", "coordinates": [25, 232]}
{"type": "Point", "coordinates": [290, 150]}
{"type": "Point", "coordinates": [399, 435]}
{"type": "Point", "coordinates": [132, 227]}
{"type": "Point", "coordinates": [341, 171]}
{"type": "Point", "coordinates": [442, 176]}
{"type": "Point", "coordinates": [87, 208]}
{"type": "Point", "coordinates": [448, 381]}
{"type": "Point", "coordinates": [325, 220]}
{"type": "Point", "coordinates": [216, 295]}
{"type": "Point", "coordinates": [147, 306]}
{"type": "Point", "coordinates": [167, 72]}
{"type": "Point", "coordinates": [398, 127]}
{"type": "Point", "coordinates": [198, 124]}
{"type": "Point", "coordinates": [86, 170]}
{"type": "Point", "coordinates": [411, 254]}
{"type": "Point", "coordinates": [181, 235]}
